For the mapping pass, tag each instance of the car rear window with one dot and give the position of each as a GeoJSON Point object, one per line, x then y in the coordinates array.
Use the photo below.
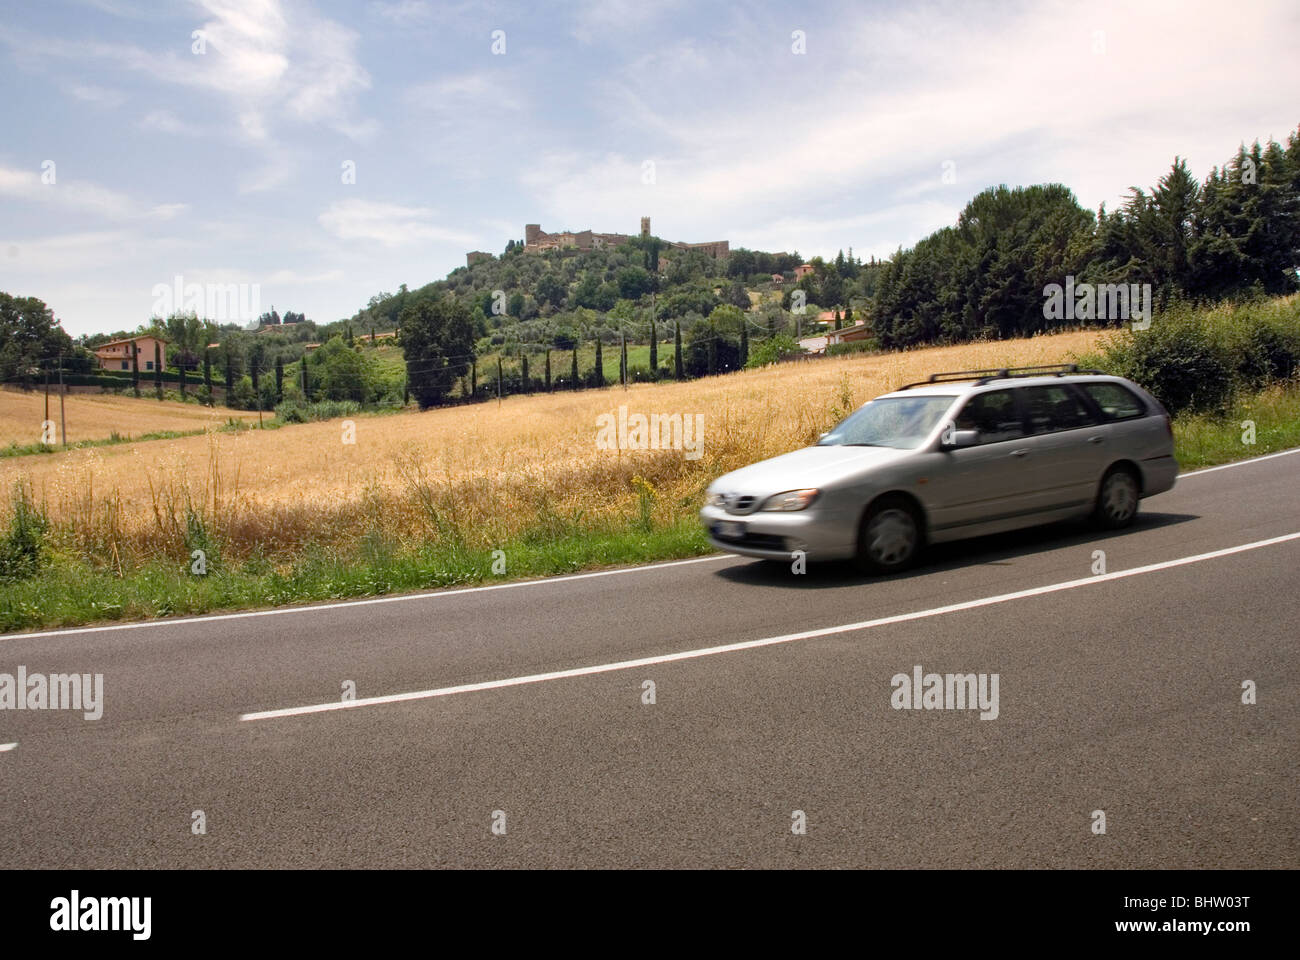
{"type": "Point", "coordinates": [1116, 402]}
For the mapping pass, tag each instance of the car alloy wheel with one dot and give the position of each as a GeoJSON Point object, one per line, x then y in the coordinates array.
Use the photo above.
{"type": "Point", "coordinates": [891, 538]}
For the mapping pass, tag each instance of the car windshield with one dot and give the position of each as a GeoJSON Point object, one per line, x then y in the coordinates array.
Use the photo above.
{"type": "Point", "coordinates": [899, 422]}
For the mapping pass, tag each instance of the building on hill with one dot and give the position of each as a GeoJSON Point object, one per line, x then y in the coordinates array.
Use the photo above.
{"type": "Point", "coordinates": [116, 354]}
{"type": "Point", "coordinates": [802, 271]}
{"type": "Point", "coordinates": [474, 256]}
{"type": "Point", "coordinates": [536, 240]}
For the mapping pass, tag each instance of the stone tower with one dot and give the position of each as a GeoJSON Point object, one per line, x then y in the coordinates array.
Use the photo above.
{"type": "Point", "coordinates": [532, 233]}
{"type": "Point", "coordinates": [645, 226]}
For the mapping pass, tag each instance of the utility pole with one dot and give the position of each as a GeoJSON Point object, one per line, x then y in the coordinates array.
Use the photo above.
{"type": "Point", "coordinates": [63, 420]}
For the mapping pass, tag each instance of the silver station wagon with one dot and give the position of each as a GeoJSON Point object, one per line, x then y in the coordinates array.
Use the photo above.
{"type": "Point", "coordinates": [961, 454]}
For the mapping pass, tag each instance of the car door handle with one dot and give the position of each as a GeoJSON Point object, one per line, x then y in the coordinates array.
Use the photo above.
{"type": "Point", "coordinates": [1020, 453]}
{"type": "Point", "coordinates": [1096, 439]}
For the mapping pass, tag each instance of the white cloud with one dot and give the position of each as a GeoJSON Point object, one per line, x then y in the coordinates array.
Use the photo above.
{"type": "Point", "coordinates": [89, 93]}
{"type": "Point", "coordinates": [389, 224]}
{"type": "Point", "coordinates": [80, 196]}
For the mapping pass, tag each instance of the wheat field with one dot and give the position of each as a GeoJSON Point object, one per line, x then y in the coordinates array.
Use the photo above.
{"type": "Point", "coordinates": [475, 475]}
{"type": "Point", "coordinates": [97, 416]}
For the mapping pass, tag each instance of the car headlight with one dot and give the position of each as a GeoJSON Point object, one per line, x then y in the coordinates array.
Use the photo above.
{"type": "Point", "coordinates": [791, 500]}
{"type": "Point", "coordinates": [714, 499]}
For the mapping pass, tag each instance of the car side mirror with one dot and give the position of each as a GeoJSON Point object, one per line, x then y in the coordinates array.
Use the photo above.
{"type": "Point", "coordinates": [959, 438]}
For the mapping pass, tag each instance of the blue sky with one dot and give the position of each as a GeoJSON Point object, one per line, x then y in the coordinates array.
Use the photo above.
{"type": "Point", "coordinates": [226, 166]}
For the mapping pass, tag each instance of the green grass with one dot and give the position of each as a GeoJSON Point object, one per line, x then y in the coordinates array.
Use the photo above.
{"type": "Point", "coordinates": [67, 593]}
{"type": "Point", "coordinates": [23, 450]}
{"type": "Point", "coordinates": [1204, 441]}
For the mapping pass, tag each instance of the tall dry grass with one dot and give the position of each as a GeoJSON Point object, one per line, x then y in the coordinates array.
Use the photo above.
{"type": "Point", "coordinates": [97, 416]}
{"type": "Point", "coordinates": [472, 476]}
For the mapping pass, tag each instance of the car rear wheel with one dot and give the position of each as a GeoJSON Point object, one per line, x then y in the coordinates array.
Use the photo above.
{"type": "Point", "coordinates": [1117, 499]}
{"type": "Point", "coordinates": [890, 538]}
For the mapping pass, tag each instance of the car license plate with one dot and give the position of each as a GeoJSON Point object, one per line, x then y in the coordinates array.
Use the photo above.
{"type": "Point", "coordinates": [729, 529]}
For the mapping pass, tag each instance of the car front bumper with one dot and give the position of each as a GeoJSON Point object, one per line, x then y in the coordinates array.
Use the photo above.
{"type": "Point", "coordinates": [775, 535]}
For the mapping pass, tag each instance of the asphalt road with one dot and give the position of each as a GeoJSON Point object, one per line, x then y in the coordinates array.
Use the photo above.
{"type": "Point", "coordinates": [1120, 693]}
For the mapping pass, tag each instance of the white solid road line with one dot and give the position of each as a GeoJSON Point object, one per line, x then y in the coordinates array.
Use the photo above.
{"type": "Point", "coordinates": [435, 594]}
{"type": "Point", "coordinates": [5, 747]}
{"type": "Point", "coordinates": [1239, 463]}
{"type": "Point", "coordinates": [764, 642]}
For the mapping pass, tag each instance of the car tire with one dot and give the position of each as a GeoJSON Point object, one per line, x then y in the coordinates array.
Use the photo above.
{"type": "Point", "coordinates": [1117, 499]}
{"type": "Point", "coordinates": [890, 538]}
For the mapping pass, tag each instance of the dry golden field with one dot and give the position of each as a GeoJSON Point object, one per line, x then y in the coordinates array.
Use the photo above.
{"type": "Point", "coordinates": [97, 416]}
{"type": "Point", "coordinates": [476, 475]}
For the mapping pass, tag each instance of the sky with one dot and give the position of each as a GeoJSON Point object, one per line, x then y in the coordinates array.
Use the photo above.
{"type": "Point", "coordinates": [328, 151]}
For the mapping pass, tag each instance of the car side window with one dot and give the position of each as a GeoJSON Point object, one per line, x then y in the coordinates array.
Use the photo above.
{"type": "Point", "coordinates": [1115, 402]}
{"type": "Point", "coordinates": [994, 415]}
{"type": "Point", "coordinates": [1056, 407]}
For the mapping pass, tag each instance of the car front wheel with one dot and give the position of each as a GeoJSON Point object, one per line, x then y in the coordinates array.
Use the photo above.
{"type": "Point", "coordinates": [890, 538]}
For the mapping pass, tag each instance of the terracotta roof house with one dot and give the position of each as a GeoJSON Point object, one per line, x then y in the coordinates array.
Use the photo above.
{"type": "Point", "coordinates": [116, 354]}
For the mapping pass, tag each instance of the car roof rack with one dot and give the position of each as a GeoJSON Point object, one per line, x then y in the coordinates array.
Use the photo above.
{"type": "Point", "coordinates": [1001, 373]}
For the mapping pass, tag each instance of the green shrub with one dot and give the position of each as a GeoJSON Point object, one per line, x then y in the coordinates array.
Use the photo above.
{"type": "Point", "coordinates": [1198, 361]}
{"type": "Point", "coordinates": [21, 549]}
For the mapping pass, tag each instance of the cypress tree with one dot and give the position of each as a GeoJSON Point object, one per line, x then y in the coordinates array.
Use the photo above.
{"type": "Point", "coordinates": [157, 369]}
{"type": "Point", "coordinates": [523, 375]}
{"type": "Point", "coordinates": [548, 370]}
{"type": "Point", "coordinates": [654, 349]}
{"type": "Point", "coordinates": [573, 373]}
{"type": "Point", "coordinates": [598, 375]}
{"type": "Point", "coordinates": [473, 376]}
{"type": "Point", "coordinates": [622, 361]}
{"type": "Point", "coordinates": [677, 349]}
{"type": "Point", "coordinates": [279, 378]}
{"type": "Point", "coordinates": [207, 370]}
{"type": "Point", "coordinates": [135, 368]}
{"type": "Point", "coordinates": [498, 376]}
{"type": "Point", "coordinates": [254, 372]}
{"type": "Point", "coordinates": [230, 374]}
{"type": "Point", "coordinates": [306, 394]}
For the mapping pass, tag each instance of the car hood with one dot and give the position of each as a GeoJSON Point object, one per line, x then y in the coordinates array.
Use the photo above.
{"type": "Point", "coordinates": [800, 469]}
